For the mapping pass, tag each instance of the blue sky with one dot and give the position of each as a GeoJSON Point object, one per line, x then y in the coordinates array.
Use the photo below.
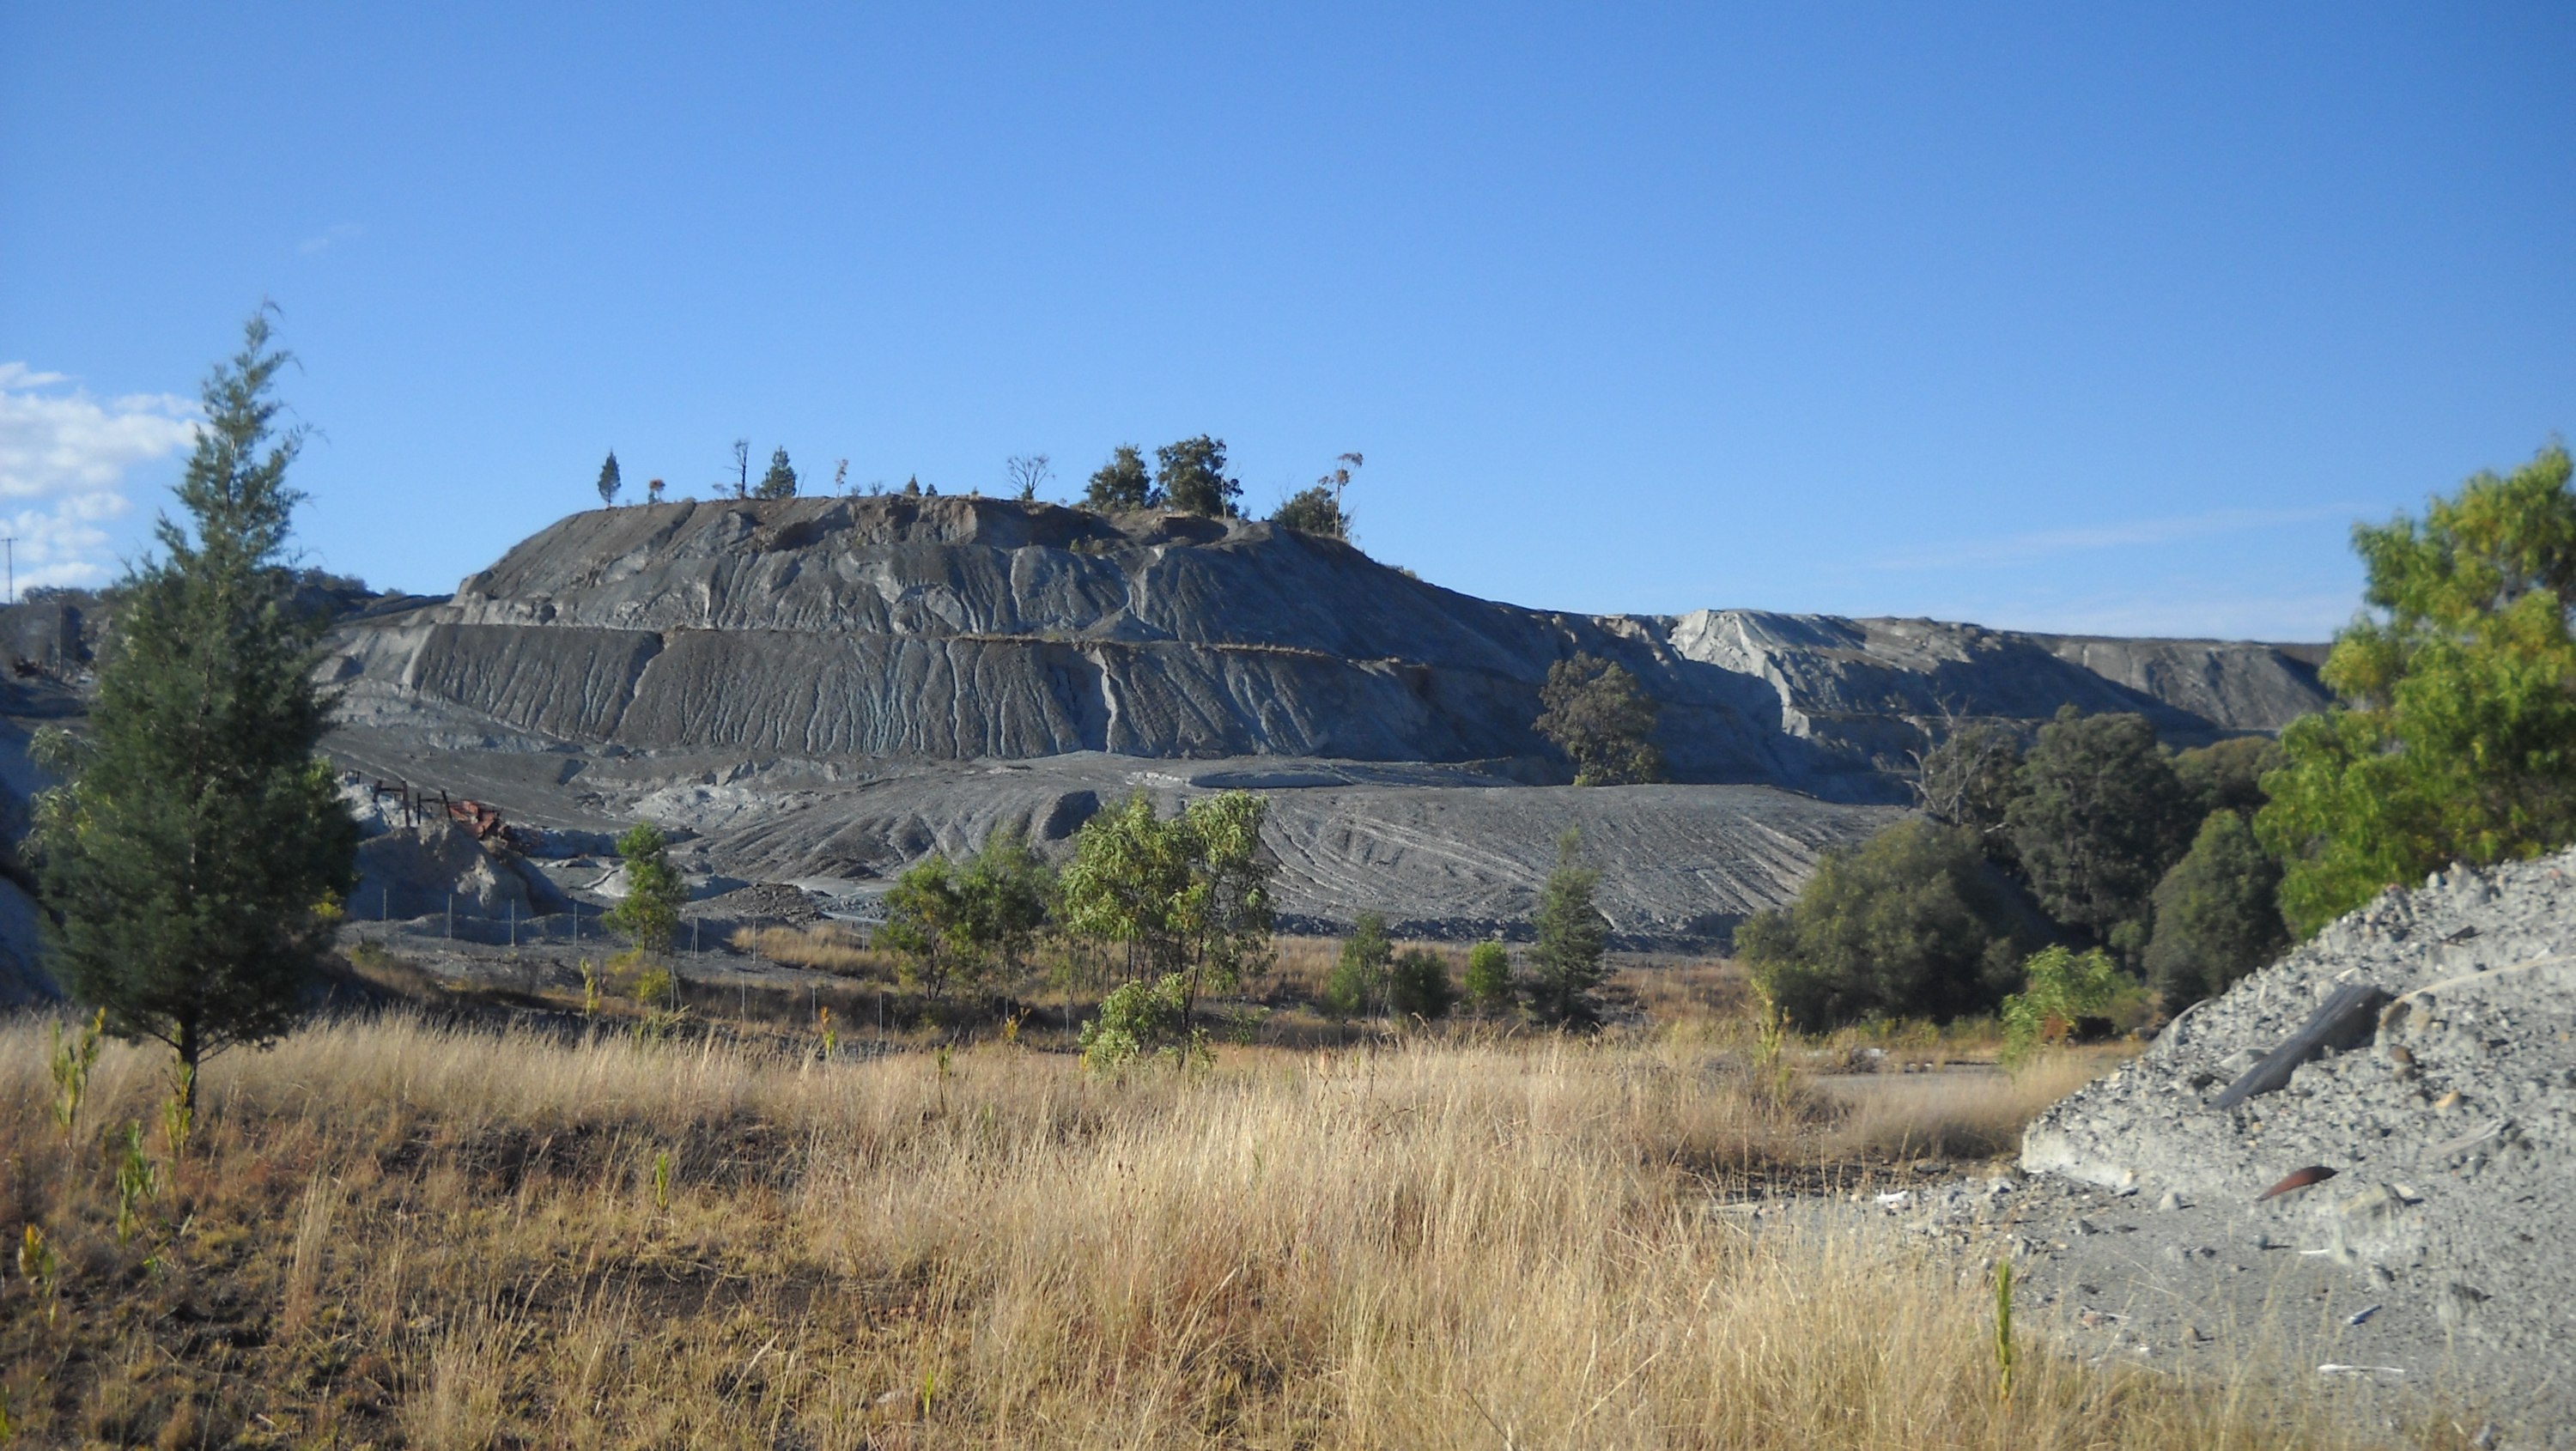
{"type": "Point", "coordinates": [2062, 317]}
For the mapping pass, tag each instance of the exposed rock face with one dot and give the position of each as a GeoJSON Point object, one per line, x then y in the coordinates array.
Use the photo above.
{"type": "Point", "coordinates": [965, 629]}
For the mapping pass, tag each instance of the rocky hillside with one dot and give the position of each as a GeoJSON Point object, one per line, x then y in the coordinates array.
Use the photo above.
{"type": "Point", "coordinates": [967, 629]}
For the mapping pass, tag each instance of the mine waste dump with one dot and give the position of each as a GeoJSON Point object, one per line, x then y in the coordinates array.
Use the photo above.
{"type": "Point", "coordinates": [821, 691]}
{"type": "Point", "coordinates": [2362, 1157]}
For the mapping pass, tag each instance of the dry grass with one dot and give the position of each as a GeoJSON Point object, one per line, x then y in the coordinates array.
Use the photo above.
{"type": "Point", "coordinates": [823, 947]}
{"type": "Point", "coordinates": [1970, 1114]}
{"type": "Point", "coordinates": [392, 1233]}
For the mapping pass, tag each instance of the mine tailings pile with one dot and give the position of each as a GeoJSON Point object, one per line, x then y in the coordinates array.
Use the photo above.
{"type": "Point", "coordinates": [2396, 1098]}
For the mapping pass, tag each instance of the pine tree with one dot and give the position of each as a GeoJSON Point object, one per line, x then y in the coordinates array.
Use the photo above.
{"type": "Point", "coordinates": [609, 480]}
{"type": "Point", "coordinates": [1565, 966]}
{"type": "Point", "coordinates": [649, 913]}
{"type": "Point", "coordinates": [780, 481]}
{"type": "Point", "coordinates": [199, 839]}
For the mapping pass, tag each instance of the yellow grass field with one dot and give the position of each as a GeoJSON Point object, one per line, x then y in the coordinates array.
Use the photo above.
{"type": "Point", "coordinates": [388, 1233]}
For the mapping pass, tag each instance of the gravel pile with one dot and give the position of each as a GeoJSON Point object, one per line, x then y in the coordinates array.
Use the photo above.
{"type": "Point", "coordinates": [2421, 1171]}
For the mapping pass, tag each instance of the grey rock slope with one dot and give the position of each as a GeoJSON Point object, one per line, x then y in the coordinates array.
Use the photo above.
{"type": "Point", "coordinates": [2450, 1127]}
{"type": "Point", "coordinates": [967, 629]}
{"type": "Point", "coordinates": [823, 690]}
{"type": "Point", "coordinates": [1440, 851]}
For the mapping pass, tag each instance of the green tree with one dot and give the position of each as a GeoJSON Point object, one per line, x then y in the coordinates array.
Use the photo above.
{"type": "Point", "coordinates": [1358, 978]}
{"type": "Point", "coordinates": [609, 480]}
{"type": "Point", "coordinates": [1187, 896]}
{"type": "Point", "coordinates": [1969, 780]}
{"type": "Point", "coordinates": [2456, 735]}
{"type": "Point", "coordinates": [1122, 485]}
{"type": "Point", "coordinates": [1191, 476]}
{"type": "Point", "coordinates": [649, 914]}
{"type": "Point", "coordinates": [780, 481]}
{"type": "Point", "coordinates": [2228, 776]}
{"type": "Point", "coordinates": [1489, 978]}
{"type": "Point", "coordinates": [926, 923]}
{"type": "Point", "coordinates": [967, 923]}
{"type": "Point", "coordinates": [199, 840]}
{"type": "Point", "coordinates": [1592, 710]}
{"type": "Point", "coordinates": [2218, 914]}
{"type": "Point", "coordinates": [1565, 965]}
{"type": "Point", "coordinates": [1418, 986]}
{"type": "Point", "coordinates": [1913, 922]}
{"type": "Point", "coordinates": [2098, 817]}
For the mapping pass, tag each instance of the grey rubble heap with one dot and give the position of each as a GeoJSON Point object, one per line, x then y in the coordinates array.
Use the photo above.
{"type": "Point", "coordinates": [2451, 1131]}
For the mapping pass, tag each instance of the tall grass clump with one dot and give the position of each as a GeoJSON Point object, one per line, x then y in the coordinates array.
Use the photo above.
{"type": "Point", "coordinates": [400, 1233]}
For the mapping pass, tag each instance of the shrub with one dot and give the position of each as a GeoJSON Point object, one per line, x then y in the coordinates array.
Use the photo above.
{"type": "Point", "coordinates": [2218, 914]}
{"type": "Point", "coordinates": [1417, 986]}
{"type": "Point", "coordinates": [1318, 510]}
{"type": "Point", "coordinates": [1312, 511]}
{"type": "Point", "coordinates": [1489, 978]}
{"type": "Point", "coordinates": [655, 987]}
{"type": "Point", "coordinates": [967, 922]}
{"type": "Point", "coordinates": [1913, 922]}
{"type": "Point", "coordinates": [1142, 1020]}
{"type": "Point", "coordinates": [1359, 973]}
{"type": "Point", "coordinates": [2059, 987]}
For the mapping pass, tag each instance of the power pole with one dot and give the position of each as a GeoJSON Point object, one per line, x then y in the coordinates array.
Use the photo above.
{"type": "Point", "coordinates": [9, 545]}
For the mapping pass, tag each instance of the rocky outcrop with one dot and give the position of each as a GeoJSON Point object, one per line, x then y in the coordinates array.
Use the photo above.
{"type": "Point", "coordinates": [967, 629]}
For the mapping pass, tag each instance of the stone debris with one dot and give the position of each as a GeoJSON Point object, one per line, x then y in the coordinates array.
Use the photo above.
{"type": "Point", "coordinates": [2433, 1120]}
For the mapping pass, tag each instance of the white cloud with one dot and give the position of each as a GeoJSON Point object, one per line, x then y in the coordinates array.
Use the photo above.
{"type": "Point", "coordinates": [2040, 544]}
{"type": "Point", "coordinates": [64, 459]}
{"type": "Point", "coordinates": [328, 238]}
